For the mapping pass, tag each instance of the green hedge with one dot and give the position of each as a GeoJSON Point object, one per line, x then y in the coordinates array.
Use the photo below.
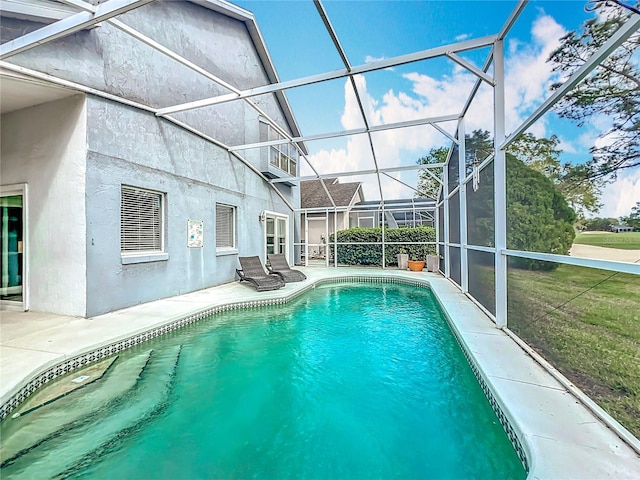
{"type": "Point", "coordinates": [372, 254]}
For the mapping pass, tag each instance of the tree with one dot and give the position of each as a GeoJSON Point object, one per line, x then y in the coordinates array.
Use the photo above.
{"type": "Point", "coordinates": [599, 224]}
{"type": "Point", "coordinates": [633, 220]}
{"type": "Point", "coordinates": [479, 146]}
{"type": "Point", "coordinates": [612, 89]}
{"type": "Point", "coordinates": [542, 154]}
{"type": "Point", "coordinates": [427, 185]}
{"type": "Point", "coordinates": [538, 217]}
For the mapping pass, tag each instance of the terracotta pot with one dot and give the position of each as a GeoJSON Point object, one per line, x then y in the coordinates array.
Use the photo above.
{"type": "Point", "coordinates": [416, 265]}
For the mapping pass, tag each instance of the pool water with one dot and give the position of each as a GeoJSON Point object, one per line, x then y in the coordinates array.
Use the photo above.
{"type": "Point", "coordinates": [348, 381]}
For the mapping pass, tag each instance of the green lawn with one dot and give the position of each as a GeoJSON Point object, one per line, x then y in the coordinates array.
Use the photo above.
{"type": "Point", "coordinates": [593, 337]}
{"type": "Point", "coordinates": [625, 240]}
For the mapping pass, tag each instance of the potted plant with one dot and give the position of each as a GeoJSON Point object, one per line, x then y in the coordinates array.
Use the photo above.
{"type": "Point", "coordinates": [416, 263]}
{"type": "Point", "coordinates": [403, 258]}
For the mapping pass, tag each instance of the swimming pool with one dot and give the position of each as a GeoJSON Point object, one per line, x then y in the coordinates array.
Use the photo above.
{"type": "Point", "coordinates": [346, 381]}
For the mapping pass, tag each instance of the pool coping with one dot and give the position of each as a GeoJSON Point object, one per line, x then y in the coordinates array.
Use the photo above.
{"type": "Point", "coordinates": [554, 435]}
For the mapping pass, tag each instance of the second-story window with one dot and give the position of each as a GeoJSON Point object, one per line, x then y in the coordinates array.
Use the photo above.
{"type": "Point", "coordinates": [283, 156]}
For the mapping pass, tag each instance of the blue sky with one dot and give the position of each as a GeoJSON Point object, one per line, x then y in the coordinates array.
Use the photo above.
{"type": "Point", "coordinates": [300, 46]}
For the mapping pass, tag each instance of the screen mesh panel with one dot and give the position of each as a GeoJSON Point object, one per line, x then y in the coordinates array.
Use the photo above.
{"type": "Point", "coordinates": [480, 210]}
{"type": "Point", "coordinates": [454, 219]}
{"type": "Point", "coordinates": [454, 258]}
{"type": "Point", "coordinates": [482, 281]}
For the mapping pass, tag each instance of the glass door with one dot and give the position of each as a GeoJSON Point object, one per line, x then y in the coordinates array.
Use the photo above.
{"type": "Point", "coordinates": [271, 235]}
{"type": "Point", "coordinates": [12, 241]}
{"type": "Point", "coordinates": [276, 234]}
{"type": "Point", "coordinates": [281, 235]}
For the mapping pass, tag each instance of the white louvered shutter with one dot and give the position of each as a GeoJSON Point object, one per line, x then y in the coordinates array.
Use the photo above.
{"type": "Point", "coordinates": [141, 220]}
{"type": "Point", "coordinates": [225, 225]}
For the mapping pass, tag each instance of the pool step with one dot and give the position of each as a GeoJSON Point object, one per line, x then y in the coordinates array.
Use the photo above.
{"type": "Point", "coordinates": [78, 447]}
{"type": "Point", "coordinates": [35, 426]}
{"type": "Point", "coordinates": [65, 385]}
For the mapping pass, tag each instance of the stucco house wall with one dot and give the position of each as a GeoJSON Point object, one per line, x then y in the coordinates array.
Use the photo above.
{"type": "Point", "coordinates": [45, 147]}
{"type": "Point", "coordinates": [194, 176]}
{"type": "Point", "coordinates": [125, 145]}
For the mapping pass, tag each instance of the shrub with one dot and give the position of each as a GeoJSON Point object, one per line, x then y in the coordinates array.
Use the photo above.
{"type": "Point", "coordinates": [372, 254]}
{"type": "Point", "coordinates": [538, 217]}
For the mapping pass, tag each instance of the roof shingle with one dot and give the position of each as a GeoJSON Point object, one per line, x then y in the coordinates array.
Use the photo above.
{"type": "Point", "coordinates": [312, 195]}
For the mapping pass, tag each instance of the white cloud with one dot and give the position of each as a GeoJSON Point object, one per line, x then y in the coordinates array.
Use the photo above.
{"type": "Point", "coordinates": [567, 146]}
{"type": "Point", "coordinates": [587, 138]}
{"type": "Point", "coordinates": [462, 37]}
{"type": "Point", "coordinates": [528, 76]}
{"type": "Point", "coordinates": [371, 59]}
{"type": "Point", "coordinates": [620, 196]}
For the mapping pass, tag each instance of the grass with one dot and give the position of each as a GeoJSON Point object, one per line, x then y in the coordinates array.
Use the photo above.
{"type": "Point", "coordinates": [624, 240]}
{"type": "Point", "coordinates": [586, 322]}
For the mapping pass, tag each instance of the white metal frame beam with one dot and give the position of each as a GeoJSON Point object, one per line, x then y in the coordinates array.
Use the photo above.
{"type": "Point", "coordinates": [358, 172]}
{"type": "Point", "coordinates": [180, 59]}
{"type": "Point", "coordinates": [337, 74]}
{"type": "Point", "coordinates": [629, 28]}
{"type": "Point", "coordinates": [36, 9]}
{"type": "Point", "coordinates": [462, 197]}
{"type": "Point", "coordinates": [481, 74]}
{"type": "Point", "coordinates": [432, 121]}
{"type": "Point", "coordinates": [143, 107]}
{"type": "Point", "coordinates": [345, 61]}
{"type": "Point", "coordinates": [68, 25]}
{"type": "Point", "coordinates": [611, 265]}
{"type": "Point", "coordinates": [511, 20]}
{"type": "Point", "coordinates": [500, 187]}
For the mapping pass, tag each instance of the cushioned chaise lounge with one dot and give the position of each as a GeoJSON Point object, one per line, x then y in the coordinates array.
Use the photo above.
{"type": "Point", "coordinates": [278, 265]}
{"type": "Point", "coordinates": [253, 272]}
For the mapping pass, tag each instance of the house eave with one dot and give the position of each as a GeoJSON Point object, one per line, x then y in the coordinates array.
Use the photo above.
{"type": "Point", "coordinates": [35, 10]}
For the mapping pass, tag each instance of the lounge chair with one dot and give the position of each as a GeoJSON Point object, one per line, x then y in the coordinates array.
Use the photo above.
{"type": "Point", "coordinates": [278, 265]}
{"type": "Point", "coordinates": [253, 272]}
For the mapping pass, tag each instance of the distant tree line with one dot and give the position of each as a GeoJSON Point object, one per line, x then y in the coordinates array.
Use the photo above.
{"type": "Point", "coordinates": [604, 224]}
{"type": "Point", "coordinates": [596, 224]}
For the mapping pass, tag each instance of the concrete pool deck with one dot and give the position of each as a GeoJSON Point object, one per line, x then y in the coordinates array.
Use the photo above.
{"type": "Point", "coordinates": [562, 438]}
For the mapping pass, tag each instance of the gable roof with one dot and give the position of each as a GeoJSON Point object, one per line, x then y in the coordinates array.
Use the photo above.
{"type": "Point", "coordinates": [46, 12]}
{"type": "Point", "coordinates": [239, 13]}
{"type": "Point", "coordinates": [312, 195]}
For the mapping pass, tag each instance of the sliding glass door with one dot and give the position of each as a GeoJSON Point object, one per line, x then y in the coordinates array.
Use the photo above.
{"type": "Point", "coordinates": [12, 241]}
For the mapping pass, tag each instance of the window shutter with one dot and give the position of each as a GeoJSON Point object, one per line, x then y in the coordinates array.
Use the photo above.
{"type": "Point", "coordinates": [225, 225]}
{"type": "Point", "coordinates": [141, 220]}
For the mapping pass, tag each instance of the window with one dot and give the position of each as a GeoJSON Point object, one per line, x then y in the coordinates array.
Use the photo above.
{"type": "Point", "coordinates": [141, 222]}
{"type": "Point", "coordinates": [225, 227]}
{"type": "Point", "coordinates": [283, 156]}
{"type": "Point", "coordinates": [365, 222]}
